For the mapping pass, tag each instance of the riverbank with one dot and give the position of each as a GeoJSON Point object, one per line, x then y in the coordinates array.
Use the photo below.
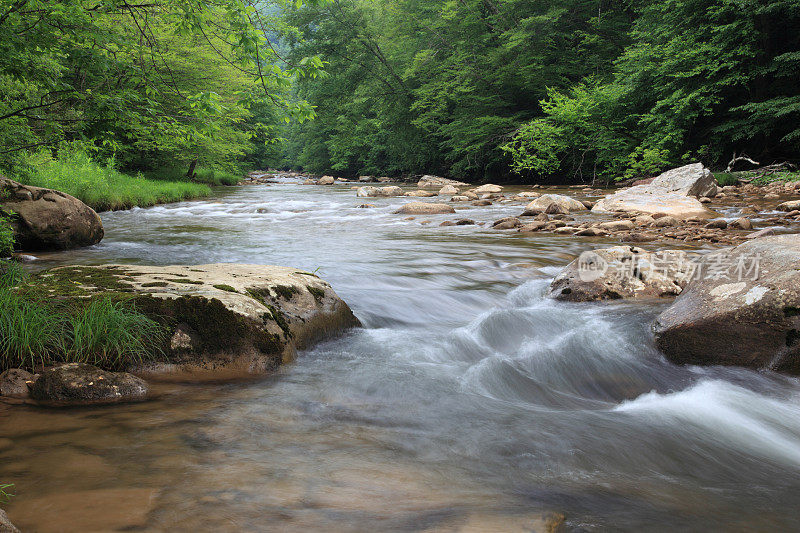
{"type": "Point", "coordinates": [104, 188]}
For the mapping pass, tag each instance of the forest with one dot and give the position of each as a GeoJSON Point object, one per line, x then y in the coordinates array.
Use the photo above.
{"type": "Point", "coordinates": [508, 90]}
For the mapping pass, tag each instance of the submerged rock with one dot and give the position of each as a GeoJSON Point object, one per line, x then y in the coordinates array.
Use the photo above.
{"type": "Point", "coordinates": [424, 208]}
{"type": "Point", "coordinates": [421, 194]}
{"type": "Point", "coordinates": [744, 310]}
{"type": "Point", "coordinates": [231, 320]}
{"type": "Point", "coordinates": [622, 272]}
{"type": "Point", "coordinates": [45, 219]}
{"type": "Point", "coordinates": [79, 383]}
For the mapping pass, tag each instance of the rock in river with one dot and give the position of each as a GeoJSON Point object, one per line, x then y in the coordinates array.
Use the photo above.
{"type": "Point", "coordinates": [647, 199]}
{"type": "Point", "coordinates": [744, 310]}
{"type": "Point", "coordinates": [14, 382]}
{"type": "Point", "coordinates": [424, 208]}
{"type": "Point", "coordinates": [689, 180]}
{"type": "Point", "coordinates": [5, 524]}
{"type": "Point", "coordinates": [223, 320]}
{"type": "Point", "coordinates": [548, 201]}
{"type": "Point", "coordinates": [79, 383]}
{"type": "Point", "coordinates": [622, 272]}
{"type": "Point", "coordinates": [45, 219]}
{"type": "Point", "coordinates": [373, 192]}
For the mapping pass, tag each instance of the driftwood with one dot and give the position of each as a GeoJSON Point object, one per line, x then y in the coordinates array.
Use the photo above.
{"type": "Point", "coordinates": [736, 159]}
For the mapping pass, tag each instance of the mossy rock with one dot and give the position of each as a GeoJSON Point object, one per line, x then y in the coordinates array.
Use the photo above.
{"type": "Point", "coordinates": [225, 320]}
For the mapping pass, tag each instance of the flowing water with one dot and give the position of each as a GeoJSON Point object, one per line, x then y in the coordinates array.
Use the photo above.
{"type": "Point", "coordinates": [468, 401]}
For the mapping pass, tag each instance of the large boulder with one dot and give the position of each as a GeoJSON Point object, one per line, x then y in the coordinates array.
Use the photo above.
{"type": "Point", "coordinates": [44, 219]}
{"type": "Point", "coordinates": [622, 272]}
{"type": "Point", "coordinates": [689, 180]}
{"type": "Point", "coordinates": [326, 180]}
{"type": "Point", "coordinates": [436, 181]}
{"type": "Point", "coordinates": [546, 201]}
{"type": "Point", "coordinates": [424, 208]}
{"type": "Point", "coordinates": [379, 192]}
{"type": "Point", "coordinates": [79, 383]}
{"type": "Point", "coordinates": [223, 321]}
{"type": "Point", "coordinates": [648, 199]}
{"type": "Point", "coordinates": [673, 193]}
{"type": "Point", "coordinates": [743, 308]}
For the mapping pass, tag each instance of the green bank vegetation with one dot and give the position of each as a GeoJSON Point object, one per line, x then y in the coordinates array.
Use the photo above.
{"type": "Point", "coordinates": [151, 86]}
{"type": "Point", "coordinates": [102, 186]}
{"type": "Point", "coordinates": [38, 330]}
{"type": "Point", "coordinates": [567, 90]}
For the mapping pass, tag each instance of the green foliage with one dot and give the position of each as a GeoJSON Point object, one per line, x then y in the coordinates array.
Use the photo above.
{"type": "Point", "coordinates": [102, 187]}
{"type": "Point", "coordinates": [112, 335]}
{"type": "Point", "coordinates": [38, 330]}
{"type": "Point", "coordinates": [30, 331]}
{"type": "Point", "coordinates": [6, 492]}
{"type": "Point", "coordinates": [149, 83]}
{"type": "Point", "coordinates": [216, 177]}
{"type": "Point", "coordinates": [697, 73]}
{"type": "Point", "coordinates": [6, 237]}
{"type": "Point", "coordinates": [778, 176]}
{"type": "Point", "coordinates": [726, 178]}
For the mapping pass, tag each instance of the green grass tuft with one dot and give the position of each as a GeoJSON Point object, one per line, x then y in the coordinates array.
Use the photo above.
{"type": "Point", "coordinates": [111, 335]}
{"type": "Point", "coordinates": [30, 332]}
{"type": "Point", "coordinates": [102, 187]}
{"type": "Point", "coordinates": [6, 492]}
{"type": "Point", "coordinates": [6, 237]}
{"type": "Point", "coordinates": [216, 177]}
{"type": "Point", "coordinates": [224, 287]}
{"type": "Point", "coordinates": [37, 330]}
{"type": "Point", "coordinates": [726, 178]}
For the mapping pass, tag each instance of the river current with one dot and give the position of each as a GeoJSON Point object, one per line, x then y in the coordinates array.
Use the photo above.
{"type": "Point", "coordinates": [467, 402]}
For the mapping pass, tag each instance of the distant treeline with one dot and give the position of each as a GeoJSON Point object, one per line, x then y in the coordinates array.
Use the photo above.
{"type": "Point", "coordinates": [538, 89]}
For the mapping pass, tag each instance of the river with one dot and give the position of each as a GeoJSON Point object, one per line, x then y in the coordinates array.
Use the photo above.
{"type": "Point", "coordinates": [468, 400]}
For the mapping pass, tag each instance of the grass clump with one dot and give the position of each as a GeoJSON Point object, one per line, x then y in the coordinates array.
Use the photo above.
{"type": "Point", "coordinates": [30, 332]}
{"type": "Point", "coordinates": [5, 492]}
{"type": "Point", "coordinates": [112, 335]}
{"type": "Point", "coordinates": [38, 330]}
{"type": "Point", "coordinates": [226, 288]}
{"type": "Point", "coordinates": [6, 237]}
{"type": "Point", "coordinates": [726, 178]}
{"type": "Point", "coordinates": [216, 177]}
{"type": "Point", "coordinates": [102, 187]}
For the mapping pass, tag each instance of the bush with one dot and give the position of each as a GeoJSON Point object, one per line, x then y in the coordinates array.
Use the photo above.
{"type": "Point", "coordinates": [102, 187]}
{"type": "Point", "coordinates": [726, 178]}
